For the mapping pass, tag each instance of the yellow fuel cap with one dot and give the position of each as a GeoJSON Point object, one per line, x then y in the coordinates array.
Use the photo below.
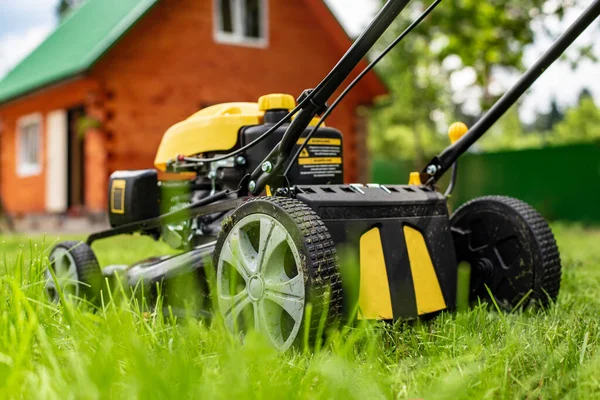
{"type": "Point", "coordinates": [414, 179]}
{"type": "Point", "coordinates": [276, 101]}
{"type": "Point", "coordinates": [456, 131]}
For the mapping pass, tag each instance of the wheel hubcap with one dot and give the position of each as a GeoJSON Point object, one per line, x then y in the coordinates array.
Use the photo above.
{"type": "Point", "coordinates": [256, 288]}
{"type": "Point", "coordinates": [485, 267]}
{"type": "Point", "coordinates": [260, 281]}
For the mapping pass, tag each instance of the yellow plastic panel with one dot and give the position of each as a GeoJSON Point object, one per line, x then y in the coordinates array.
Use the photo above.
{"type": "Point", "coordinates": [427, 287]}
{"type": "Point", "coordinates": [374, 297]}
{"type": "Point", "coordinates": [212, 129]}
{"type": "Point", "coordinates": [117, 196]}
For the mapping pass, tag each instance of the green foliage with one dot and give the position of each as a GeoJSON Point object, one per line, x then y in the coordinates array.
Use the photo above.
{"type": "Point", "coordinates": [65, 352]}
{"type": "Point", "coordinates": [545, 122]}
{"type": "Point", "coordinates": [581, 123]}
{"type": "Point", "coordinates": [402, 124]}
{"type": "Point", "coordinates": [479, 36]}
{"type": "Point", "coordinates": [508, 133]}
{"type": "Point", "coordinates": [578, 124]}
{"type": "Point", "coordinates": [84, 123]}
{"type": "Point", "coordinates": [416, 140]}
{"type": "Point", "coordinates": [486, 35]}
{"type": "Point", "coordinates": [482, 35]}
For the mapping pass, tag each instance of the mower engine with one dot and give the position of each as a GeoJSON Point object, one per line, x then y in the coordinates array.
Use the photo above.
{"type": "Point", "coordinates": [138, 195]}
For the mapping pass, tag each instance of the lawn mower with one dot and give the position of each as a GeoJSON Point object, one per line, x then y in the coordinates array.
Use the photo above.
{"type": "Point", "coordinates": [267, 214]}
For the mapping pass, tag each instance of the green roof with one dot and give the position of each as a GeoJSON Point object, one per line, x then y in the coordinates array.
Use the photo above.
{"type": "Point", "coordinates": [78, 42]}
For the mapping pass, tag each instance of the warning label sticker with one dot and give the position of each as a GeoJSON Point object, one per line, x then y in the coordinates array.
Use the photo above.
{"type": "Point", "coordinates": [321, 158]}
{"type": "Point", "coordinates": [321, 141]}
{"type": "Point", "coordinates": [304, 153]}
{"type": "Point", "coordinates": [313, 161]}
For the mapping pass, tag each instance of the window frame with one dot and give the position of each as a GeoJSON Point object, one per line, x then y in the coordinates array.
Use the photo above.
{"type": "Point", "coordinates": [237, 37]}
{"type": "Point", "coordinates": [29, 169]}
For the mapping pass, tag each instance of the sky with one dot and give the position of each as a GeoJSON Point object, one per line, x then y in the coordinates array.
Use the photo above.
{"type": "Point", "coordinates": [25, 23]}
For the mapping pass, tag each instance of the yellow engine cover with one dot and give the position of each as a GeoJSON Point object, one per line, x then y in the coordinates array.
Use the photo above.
{"type": "Point", "coordinates": [216, 128]}
{"type": "Point", "coordinates": [212, 129]}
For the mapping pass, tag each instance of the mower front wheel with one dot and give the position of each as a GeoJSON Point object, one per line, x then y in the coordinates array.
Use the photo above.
{"type": "Point", "coordinates": [76, 271]}
{"type": "Point", "coordinates": [511, 251]}
{"type": "Point", "coordinates": [274, 257]}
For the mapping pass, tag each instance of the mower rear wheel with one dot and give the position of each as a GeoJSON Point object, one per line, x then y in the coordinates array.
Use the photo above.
{"type": "Point", "coordinates": [274, 256]}
{"type": "Point", "coordinates": [511, 250]}
{"type": "Point", "coordinates": [77, 273]}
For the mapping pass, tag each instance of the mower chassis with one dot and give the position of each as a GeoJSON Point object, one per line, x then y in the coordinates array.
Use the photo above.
{"type": "Point", "coordinates": [153, 271]}
{"type": "Point", "coordinates": [148, 278]}
{"type": "Point", "coordinates": [166, 270]}
{"type": "Point", "coordinates": [211, 205]}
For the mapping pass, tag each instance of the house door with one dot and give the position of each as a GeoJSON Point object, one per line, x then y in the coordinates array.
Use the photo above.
{"type": "Point", "coordinates": [56, 161]}
{"type": "Point", "coordinates": [75, 159]}
{"type": "Point", "coordinates": [65, 161]}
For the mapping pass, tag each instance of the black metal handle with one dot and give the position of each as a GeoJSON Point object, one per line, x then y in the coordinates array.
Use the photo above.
{"type": "Point", "coordinates": [359, 50]}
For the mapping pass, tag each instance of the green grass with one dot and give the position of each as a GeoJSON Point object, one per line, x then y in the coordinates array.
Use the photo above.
{"type": "Point", "coordinates": [48, 351]}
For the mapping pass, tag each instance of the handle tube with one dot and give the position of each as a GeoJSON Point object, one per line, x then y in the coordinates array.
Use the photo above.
{"type": "Point", "coordinates": [382, 21]}
{"type": "Point", "coordinates": [358, 51]}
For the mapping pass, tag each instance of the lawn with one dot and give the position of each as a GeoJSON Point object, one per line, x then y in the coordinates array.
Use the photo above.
{"type": "Point", "coordinates": [47, 351]}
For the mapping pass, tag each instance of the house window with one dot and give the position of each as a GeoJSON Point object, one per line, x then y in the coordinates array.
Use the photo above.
{"type": "Point", "coordinates": [29, 138]}
{"type": "Point", "coordinates": [241, 22]}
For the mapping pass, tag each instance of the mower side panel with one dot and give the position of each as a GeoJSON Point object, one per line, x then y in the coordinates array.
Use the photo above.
{"type": "Point", "coordinates": [420, 267]}
{"type": "Point", "coordinates": [374, 298]}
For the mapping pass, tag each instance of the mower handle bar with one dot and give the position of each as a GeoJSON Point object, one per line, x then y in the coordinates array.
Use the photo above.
{"type": "Point", "coordinates": [279, 156]}
{"type": "Point", "coordinates": [435, 169]}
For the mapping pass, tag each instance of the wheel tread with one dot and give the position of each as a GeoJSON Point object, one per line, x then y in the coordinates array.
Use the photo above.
{"type": "Point", "coordinates": [551, 262]}
{"type": "Point", "coordinates": [88, 268]}
{"type": "Point", "coordinates": [324, 274]}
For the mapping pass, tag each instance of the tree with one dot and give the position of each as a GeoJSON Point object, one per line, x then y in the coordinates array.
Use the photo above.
{"type": "Point", "coordinates": [545, 122]}
{"type": "Point", "coordinates": [484, 36]}
{"type": "Point", "coordinates": [508, 134]}
{"type": "Point", "coordinates": [404, 122]}
{"type": "Point", "coordinates": [487, 36]}
{"type": "Point", "coordinates": [585, 94]}
{"type": "Point", "coordinates": [581, 123]}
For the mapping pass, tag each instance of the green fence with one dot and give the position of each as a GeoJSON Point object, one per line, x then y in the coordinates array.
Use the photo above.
{"type": "Point", "coordinates": [561, 182]}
